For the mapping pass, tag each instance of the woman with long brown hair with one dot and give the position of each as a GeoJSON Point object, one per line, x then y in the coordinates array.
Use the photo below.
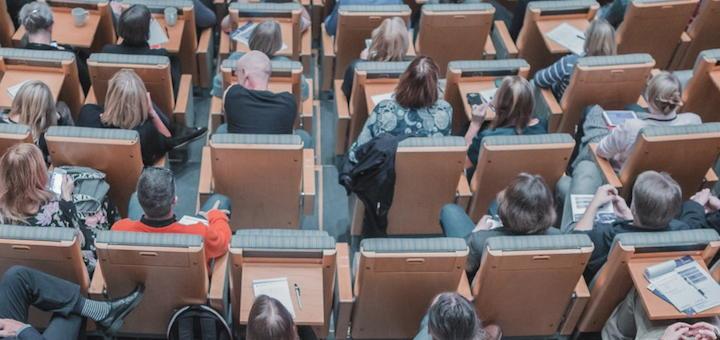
{"type": "Point", "coordinates": [415, 110]}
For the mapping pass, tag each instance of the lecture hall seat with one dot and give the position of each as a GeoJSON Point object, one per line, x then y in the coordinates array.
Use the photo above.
{"type": "Point", "coordinates": [699, 36]}
{"type": "Point", "coordinates": [688, 153]}
{"type": "Point", "coordinates": [11, 134]}
{"type": "Point", "coordinates": [701, 88]}
{"type": "Point", "coordinates": [171, 266]}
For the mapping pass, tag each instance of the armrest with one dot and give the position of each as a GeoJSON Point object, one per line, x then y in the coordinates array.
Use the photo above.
{"type": "Point", "coordinates": [219, 283]}
{"type": "Point", "coordinates": [606, 168]}
{"type": "Point", "coordinates": [463, 195]}
{"type": "Point", "coordinates": [411, 52]}
{"type": "Point", "coordinates": [308, 184]}
{"type": "Point", "coordinates": [215, 116]}
{"type": "Point", "coordinates": [224, 47]}
{"type": "Point", "coordinates": [96, 290]}
{"type": "Point", "coordinates": [641, 101]}
{"type": "Point", "coordinates": [328, 59]}
{"type": "Point", "coordinates": [205, 57]}
{"type": "Point", "coordinates": [184, 112]}
{"type": "Point", "coordinates": [308, 109]}
{"type": "Point", "coordinates": [504, 44]}
{"type": "Point", "coordinates": [343, 113]}
{"type": "Point", "coordinates": [489, 51]}
{"type": "Point", "coordinates": [91, 99]}
{"type": "Point", "coordinates": [205, 181]}
{"type": "Point", "coordinates": [678, 60]}
{"type": "Point", "coordinates": [549, 108]}
{"type": "Point", "coordinates": [580, 298]}
{"type": "Point", "coordinates": [710, 179]}
{"type": "Point", "coordinates": [306, 52]}
{"type": "Point", "coordinates": [464, 288]}
{"type": "Point", "coordinates": [344, 299]}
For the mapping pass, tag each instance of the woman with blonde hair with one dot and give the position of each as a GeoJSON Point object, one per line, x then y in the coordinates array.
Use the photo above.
{"type": "Point", "coordinates": [599, 41]}
{"type": "Point", "coordinates": [128, 106]}
{"type": "Point", "coordinates": [34, 106]}
{"type": "Point", "coordinates": [25, 198]}
{"type": "Point", "coordinates": [512, 105]}
{"type": "Point", "coordinates": [389, 42]}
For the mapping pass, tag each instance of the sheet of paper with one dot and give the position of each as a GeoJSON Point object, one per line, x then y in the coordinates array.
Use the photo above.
{"type": "Point", "coordinates": [190, 220]}
{"type": "Point", "coordinates": [569, 37]}
{"type": "Point", "coordinates": [13, 90]}
{"type": "Point", "coordinates": [380, 97]}
{"type": "Point", "coordinates": [277, 288]}
{"type": "Point", "coordinates": [158, 35]}
{"type": "Point", "coordinates": [687, 285]}
{"type": "Point", "coordinates": [579, 203]}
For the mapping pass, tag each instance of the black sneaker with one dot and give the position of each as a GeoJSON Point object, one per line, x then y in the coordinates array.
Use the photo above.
{"type": "Point", "coordinates": [119, 309]}
{"type": "Point", "coordinates": [186, 136]}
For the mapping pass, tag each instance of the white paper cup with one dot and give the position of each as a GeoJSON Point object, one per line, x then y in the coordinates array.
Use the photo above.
{"type": "Point", "coordinates": [80, 16]}
{"type": "Point", "coordinates": [171, 15]}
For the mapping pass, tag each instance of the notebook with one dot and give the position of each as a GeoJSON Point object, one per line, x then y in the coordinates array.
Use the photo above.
{"type": "Point", "coordinates": [276, 288]}
{"type": "Point", "coordinates": [685, 284]}
{"type": "Point", "coordinates": [579, 203]}
{"type": "Point", "coordinates": [380, 97]}
{"type": "Point", "coordinates": [569, 37]}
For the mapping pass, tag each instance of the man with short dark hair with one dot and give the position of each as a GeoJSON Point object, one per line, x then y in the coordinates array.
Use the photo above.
{"type": "Point", "coordinates": [151, 210]}
{"type": "Point", "coordinates": [656, 206]}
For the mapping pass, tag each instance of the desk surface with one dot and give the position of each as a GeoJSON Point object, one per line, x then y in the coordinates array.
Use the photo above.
{"type": "Point", "coordinates": [657, 308]}
{"type": "Point", "coordinates": [309, 277]}
{"type": "Point", "coordinates": [286, 29]}
{"type": "Point", "coordinates": [175, 33]}
{"type": "Point", "coordinates": [54, 81]}
{"type": "Point", "coordinates": [545, 26]}
{"type": "Point", "coordinates": [374, 89]}
{"type": "Point", "coordinates": [65, 31]}
{"type": "Point", "coordinates": [474, 87]}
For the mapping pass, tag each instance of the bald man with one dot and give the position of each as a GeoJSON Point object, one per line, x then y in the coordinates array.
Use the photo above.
{"type": "Point", "coordinates": [250, 107]}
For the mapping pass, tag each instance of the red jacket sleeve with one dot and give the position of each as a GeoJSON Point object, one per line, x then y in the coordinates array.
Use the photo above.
{"type": "Point", "coordinates": [217, 238]}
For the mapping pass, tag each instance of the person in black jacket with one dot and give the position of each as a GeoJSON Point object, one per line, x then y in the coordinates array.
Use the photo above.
{"type": "Point", "coordinates": [656, 206]}
{"type": "Point", "coordinates": [22, 287]}
{"type": "Point", "coordinates": [134, 29]}
{"type": "Point", "coordinates": [37, 18]}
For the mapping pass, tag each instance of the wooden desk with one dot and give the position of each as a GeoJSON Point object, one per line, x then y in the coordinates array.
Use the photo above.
{"type": "Point", "coordinates": [54, 81]}
{"type": "Point", "coordinates": [175, 33]}
{"type": "Point", "coordinates": [286, 29]}
{"type": "Point", "coordinates": [475, 87]}
{"type": "Point", "coordinates": [657, 308]}
{"type": "Point", "coordinates": [280, 86]}
{"type": "Point", "coordinates": [374, 89]}
{"type": "Point", "coordinates": [65, 31]}
{"type": "Point", "coordinates": [545, 26]}
{"type": "Point", "coordinates": [309, 277]}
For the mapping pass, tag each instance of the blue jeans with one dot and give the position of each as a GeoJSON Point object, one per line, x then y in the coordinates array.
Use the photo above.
{"type": "Point", "coordinates": [135, 210]}
{"type": "Point", "coordinates": [304, 135]}
{"type": "Point", "coordinates": [455, 222]}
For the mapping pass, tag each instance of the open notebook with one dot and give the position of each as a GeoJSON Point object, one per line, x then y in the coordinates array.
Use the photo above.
{"type": "Point", "coordinates": [685, 284]}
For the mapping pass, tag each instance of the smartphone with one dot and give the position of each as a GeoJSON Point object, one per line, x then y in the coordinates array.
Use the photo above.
{"type": "Point", "coordinates": [474, 99]}
{"type": "Point", "coordinates": [495, 222]}
{"type": "Point", "coordinates": [56, 180]}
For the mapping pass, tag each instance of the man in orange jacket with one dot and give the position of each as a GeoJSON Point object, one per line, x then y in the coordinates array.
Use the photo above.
{"type": "Point", "coordinates": [151, 211]}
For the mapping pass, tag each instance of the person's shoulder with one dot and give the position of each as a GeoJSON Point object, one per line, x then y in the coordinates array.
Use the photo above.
{"type": "Point", "coordinates": [125, 224]}
{"type": "Point", "coordinates": [89, 112]}
{"type": "Point", "coordinates": [689, 118]}
{"type": "Point", "coordinates": [633, 124]}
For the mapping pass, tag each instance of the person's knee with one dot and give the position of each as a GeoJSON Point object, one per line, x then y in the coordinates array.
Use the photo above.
{"type": "Point", "coordinates": [449, 211]}
{"type": "Point", "coordinates": [586, 175]}
{"type": "Point", "coordinates": [15, 273]}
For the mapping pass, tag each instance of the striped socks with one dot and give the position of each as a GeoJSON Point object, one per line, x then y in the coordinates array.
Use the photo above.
{"type": "Point", "coordinates": [94, 310]}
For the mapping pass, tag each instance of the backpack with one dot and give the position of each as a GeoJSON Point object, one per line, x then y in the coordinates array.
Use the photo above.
{"type": "Point", "coordinates": [90, 191]}
{"type": "Point", "coordinates": [198, 322]}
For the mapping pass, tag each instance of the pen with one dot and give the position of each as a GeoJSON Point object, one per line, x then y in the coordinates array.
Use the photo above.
{"type": "Point", "coordinates": [297, 294]}
{"type": "Point", "coordinates": [694, 286]}
{"type": "Point", "coordinates": [580, 36]}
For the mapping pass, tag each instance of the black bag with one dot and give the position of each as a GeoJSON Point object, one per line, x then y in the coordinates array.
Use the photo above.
{"type": "Point", "coordinates": [198, 322]}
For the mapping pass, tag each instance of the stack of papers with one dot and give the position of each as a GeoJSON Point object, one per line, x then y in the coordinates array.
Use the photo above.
{"type": "Point", "coordinates": [684, 284]}
{"type": "Point", "coordinates": [278, 289]}
{"type": "Point", "coordinates": [488, 95]}
{"type": "Point", "coordinates": [579, 203]}
{"type": "Point", "coordinates": [569, 37]}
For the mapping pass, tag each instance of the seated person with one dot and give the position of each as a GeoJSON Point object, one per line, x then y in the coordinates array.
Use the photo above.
{"type": "Point", "coordinates": [250, 106]}
{"type": "Point", "coordinates": [599, 41]}
{"type": "Point", "coordinates": [26, 200]}
{"type": "Point", "coordinates": [389, 42]}
{"type": "Point", "coordinates": [22, 287]}
{"type": "Point", "coordinates": [151, 211]}
{"type": "Point", "coordinates": [34, 106]}
{"type": "Point", "coordinates": [227, 25]}
{"type": "Point", "coordinates": [524, 207]}
{"type": "Point", "coordinates": [266, 38]}
{"type": "Point", "coordinates": [204, 14]}
{"type": "Point", "coordinates": [415, 110]}
{"type": "Point", "coordinates": [614, 12]}
{"type": "Point", "coordinates": [37, 18]}
{"type": "Point", "coordinates": [133, 27]}
{"type": "Point", "coordinates": [630, 321]}
{"type": "Point", "coordinates": [331, 20]}
{"type": "Point", "coordinates": [664, 97]}
{"type": "Point", "coordinates": [452, 317]}
{"type": "Point", "coordinates": [128, 106]}
{"type": "Point", "coordinates": [513, 106]}
{"type": "Point", "coordinates": [656, 206]}
{"type": "Point", "coordinates": [269, 319]}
